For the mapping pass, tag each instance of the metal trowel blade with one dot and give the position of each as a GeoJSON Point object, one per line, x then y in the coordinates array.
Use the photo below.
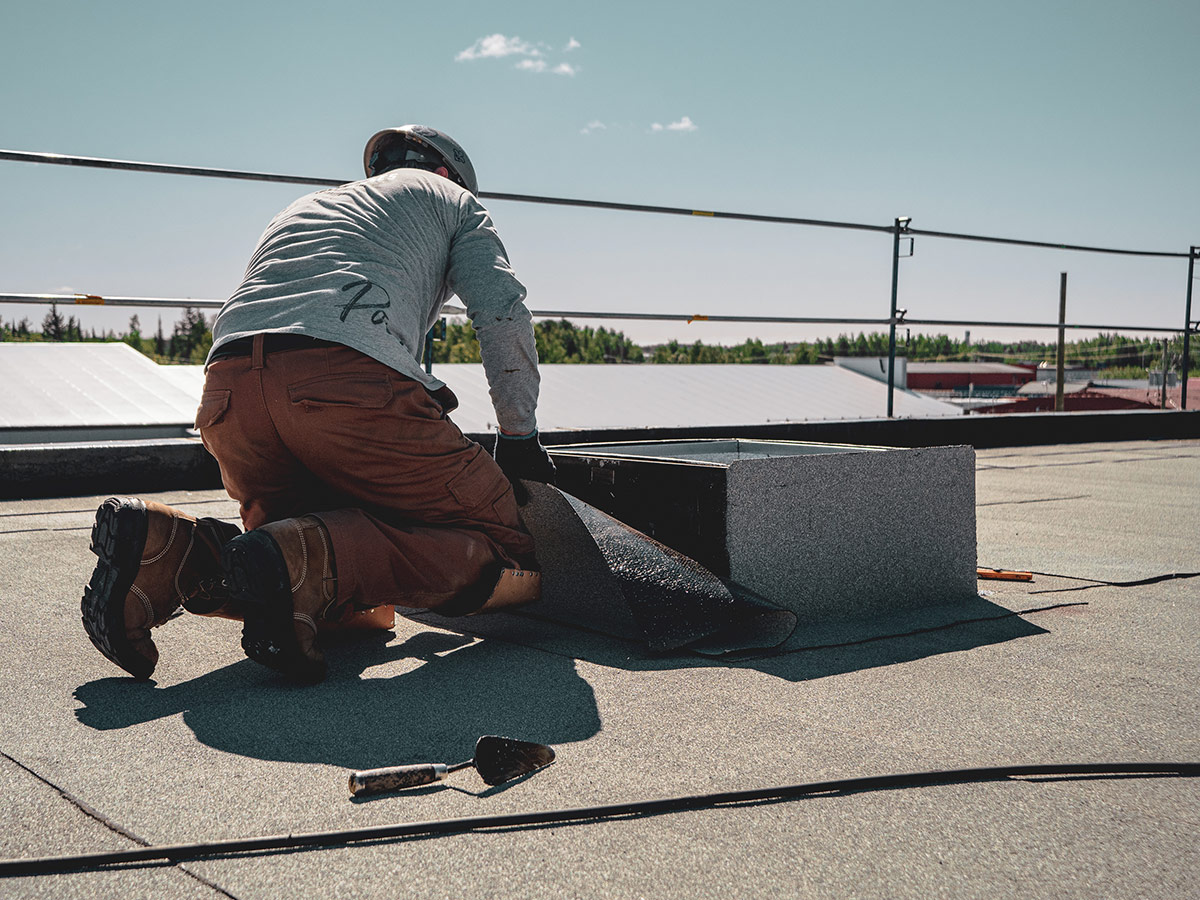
{"type": "Point", "coordinates": [501, 759]}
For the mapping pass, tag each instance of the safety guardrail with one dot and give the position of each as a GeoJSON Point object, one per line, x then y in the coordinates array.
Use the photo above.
{"type": "Point", "coordinates": [901, 228]}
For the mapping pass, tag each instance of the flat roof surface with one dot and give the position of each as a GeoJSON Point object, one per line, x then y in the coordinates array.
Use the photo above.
{"type": "Point", "coordinates": [1095, 660]}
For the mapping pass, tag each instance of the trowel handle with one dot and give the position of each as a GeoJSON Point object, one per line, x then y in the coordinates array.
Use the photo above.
{"type": "Point", "coordinates": [393, 778]}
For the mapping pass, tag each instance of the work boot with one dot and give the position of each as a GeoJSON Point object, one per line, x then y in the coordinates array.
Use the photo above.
{"type": "Point", "coordinates": [514, 587]}
{"type": "Point", "coordinates": [153, 559]}
{"type": "Point", "coordinates": [284, 576]}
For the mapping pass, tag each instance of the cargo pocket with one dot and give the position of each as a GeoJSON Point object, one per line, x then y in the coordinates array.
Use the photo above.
{"type": "Point", "coordinates": [479, 482]}
{"type": "Point", "coordinates": [357, 391]}
{"type": "Point", "coordinates": [213, 406]}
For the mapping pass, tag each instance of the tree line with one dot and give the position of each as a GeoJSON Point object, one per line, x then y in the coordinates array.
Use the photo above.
{"type": "Point", "coordinates": [189, 341]}
{"type": "Point", "coordinates": [562, 341]}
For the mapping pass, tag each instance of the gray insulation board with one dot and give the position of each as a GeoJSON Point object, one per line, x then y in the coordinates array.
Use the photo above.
{"type": "Point", "coordinates": [854, 534]}
{"type": "Point", "coordinates": [831, 532]}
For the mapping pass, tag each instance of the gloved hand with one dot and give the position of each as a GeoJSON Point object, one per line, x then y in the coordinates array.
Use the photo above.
{"type": "Point", "coordinates": [523, 456]}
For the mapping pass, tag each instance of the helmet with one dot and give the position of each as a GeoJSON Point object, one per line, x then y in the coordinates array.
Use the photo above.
{"type": "Point", "coordinates": [418, 146]}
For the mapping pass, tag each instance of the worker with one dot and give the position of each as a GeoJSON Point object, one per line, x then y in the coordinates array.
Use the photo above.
{"type": "Point", "coordinates": [356, 490]}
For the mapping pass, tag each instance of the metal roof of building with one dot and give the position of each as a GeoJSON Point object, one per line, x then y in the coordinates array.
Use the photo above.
{"type": "Point", "coordinates": [1047, 388]}
{"type": "Point", "coordinates": [88, 385]}
{"type": "Point", "coordinates": [662, 396]}
{"type": "Point", "coordinates": [93, 385]}
{"type": "Point", "coordinates": [970, 367]}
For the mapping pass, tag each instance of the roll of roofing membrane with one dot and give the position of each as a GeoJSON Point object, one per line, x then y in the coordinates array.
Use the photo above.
{"type": "Point", "coordinates": [601, 574]}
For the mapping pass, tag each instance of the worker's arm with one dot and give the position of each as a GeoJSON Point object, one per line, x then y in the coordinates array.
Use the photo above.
{"type": "Point", "coordinates": [480, 274]}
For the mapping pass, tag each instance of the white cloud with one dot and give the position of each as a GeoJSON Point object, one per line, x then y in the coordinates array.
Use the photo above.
{"type": "Point", "coordinates": [684, 124]}
{"type": "Point", "coordinates": [497, 45]}
{"type": "Point", "coordinates": [594, 125]}
{"type": "Point", "coordinates": [572, 44]}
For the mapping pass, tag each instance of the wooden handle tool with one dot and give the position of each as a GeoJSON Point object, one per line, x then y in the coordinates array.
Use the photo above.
{"type": "Point", "coordinates": [497, 760]}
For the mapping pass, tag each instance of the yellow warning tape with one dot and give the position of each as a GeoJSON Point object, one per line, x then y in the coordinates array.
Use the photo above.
{"type": "Point", "coordinates": [701, 212]}
{"type": "Point", "coordinates": [88, 300]}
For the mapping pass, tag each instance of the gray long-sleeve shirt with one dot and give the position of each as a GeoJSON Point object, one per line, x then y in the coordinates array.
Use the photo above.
{"type": "Point", "coordinates": [369, 265]}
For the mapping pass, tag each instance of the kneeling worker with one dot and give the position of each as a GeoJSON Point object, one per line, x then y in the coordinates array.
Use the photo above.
{"type": "Point", "coordinates": [356, 490]}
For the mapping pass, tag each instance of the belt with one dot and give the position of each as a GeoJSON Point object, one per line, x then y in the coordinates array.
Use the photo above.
{"type": "Point", "coordinates": [272, 343]}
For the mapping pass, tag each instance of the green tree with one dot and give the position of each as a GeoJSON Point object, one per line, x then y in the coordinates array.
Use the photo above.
{"type": "Point", "coordinates": [191, 339]}
{"type": "Point", "coordinates": [53, 326]}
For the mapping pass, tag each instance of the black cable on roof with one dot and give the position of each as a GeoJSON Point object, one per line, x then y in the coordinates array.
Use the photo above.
{"type": "Point", "coordinates": [180, 852]}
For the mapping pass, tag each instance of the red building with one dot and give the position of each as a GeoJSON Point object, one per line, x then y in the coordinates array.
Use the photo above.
{"type": "Point", "coordinates": [949, 376]}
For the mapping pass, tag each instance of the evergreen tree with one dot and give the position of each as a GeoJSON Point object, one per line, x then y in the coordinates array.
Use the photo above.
{"type": "Point", "coordinates": [134, 337]}
{"type": "Point", "coordinates": [191, 339]}
{"type": "Point", "coordinates": [53, 326]}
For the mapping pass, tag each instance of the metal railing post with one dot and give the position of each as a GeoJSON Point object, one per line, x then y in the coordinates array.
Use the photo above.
{"type": "Point", "coordinates": [1193, 252]}
{"type": "Point", "coordinates": [1060, 358]}
{"type": "Point", "coordinates": [900, 225]}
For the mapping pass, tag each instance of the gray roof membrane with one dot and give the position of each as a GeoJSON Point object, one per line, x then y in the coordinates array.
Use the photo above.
{"type": "Point", "coordinates": [1092, 662]}
{"type": "Point", "coordinates": [604, 575]}
{"type": "Point", "coordinates": [601, 575]}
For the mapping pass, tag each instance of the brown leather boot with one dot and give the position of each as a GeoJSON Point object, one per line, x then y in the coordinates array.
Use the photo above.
{"type": "Point", "coordinates": [284, 575]}
{"type": "Point", "coordinates": [514, 587]}
{"type": "Point", "coordinates": [153, 559]}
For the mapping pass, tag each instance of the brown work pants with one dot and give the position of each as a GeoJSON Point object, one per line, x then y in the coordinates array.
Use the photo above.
{"type": "Point", "coordinates": [418, 515]}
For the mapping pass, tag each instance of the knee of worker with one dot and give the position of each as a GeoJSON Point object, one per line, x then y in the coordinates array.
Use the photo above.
{"type": "Point", "coordinates": [379, 560]}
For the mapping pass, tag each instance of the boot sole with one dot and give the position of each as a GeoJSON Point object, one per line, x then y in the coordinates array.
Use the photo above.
{"type": "Point", "coordinates": [118, 539]}
{"type": "Point", "coordinates": [258, 579]}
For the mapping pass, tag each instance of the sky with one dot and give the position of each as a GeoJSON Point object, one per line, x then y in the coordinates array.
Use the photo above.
{"type": "Point", "coordinates": [1055, 121]}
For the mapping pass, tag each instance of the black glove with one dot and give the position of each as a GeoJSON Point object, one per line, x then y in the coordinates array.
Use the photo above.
{"type": "Point", "coordinates": [523, 457]}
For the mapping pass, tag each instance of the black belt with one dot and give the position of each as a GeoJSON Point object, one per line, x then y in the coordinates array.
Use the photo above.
{"type": "Point", "coordinates": [272, 343]}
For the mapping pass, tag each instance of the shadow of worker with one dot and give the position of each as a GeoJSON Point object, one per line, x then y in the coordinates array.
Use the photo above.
{"type": "Point", "coordinates": [452, 689]}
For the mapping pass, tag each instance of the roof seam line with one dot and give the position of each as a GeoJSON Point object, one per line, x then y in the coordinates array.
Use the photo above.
{"type": "Point", "coordinates": [110, 824]}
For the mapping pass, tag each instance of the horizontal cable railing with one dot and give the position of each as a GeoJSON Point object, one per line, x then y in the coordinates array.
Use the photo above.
{"type": "Point", "coordinates": [451, 310]}
{"type": "Point", "coordinates": [900, 228]}
{"type": "Point", "coordinates": [59, 159]}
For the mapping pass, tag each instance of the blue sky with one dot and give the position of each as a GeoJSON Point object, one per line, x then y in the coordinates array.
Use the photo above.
{"type": "Point", "coordinates": [1072, 122]}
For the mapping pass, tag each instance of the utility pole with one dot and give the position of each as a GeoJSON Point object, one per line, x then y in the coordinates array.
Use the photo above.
{"type": "Point", "coordinates": [1062, 343]}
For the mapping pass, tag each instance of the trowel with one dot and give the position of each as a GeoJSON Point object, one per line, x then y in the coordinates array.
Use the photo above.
{"type": "Point", "coordinates": [497, 760]}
